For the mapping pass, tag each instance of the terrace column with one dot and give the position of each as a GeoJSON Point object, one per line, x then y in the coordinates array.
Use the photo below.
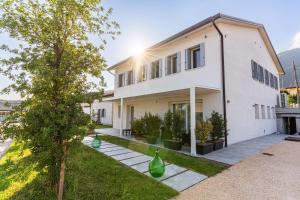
{"type": "Point", "coordinates": [121, 116]}
{"type": "Point", "coordinates": [193, 119]}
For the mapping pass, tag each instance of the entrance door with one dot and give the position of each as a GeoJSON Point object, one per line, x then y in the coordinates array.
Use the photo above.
{"type": "Point", "coordinates": [130, 116]}
{"type": "Point", "coordinates": [292, 125]}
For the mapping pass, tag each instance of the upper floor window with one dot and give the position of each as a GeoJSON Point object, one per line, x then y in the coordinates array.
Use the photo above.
{"type": "Point", "coordinates": [173, 64]}
{"type": "Point", "coordinates": [121, 80]}
{"type": "Point", "coordinates": [260, 74]}
{"type": "Point", "coordinates": [155, 69]}
{"type": "Point", "coordinates": [254, 70]}
{"type": "Point", "coordinates": [129, 77]}
{"type": "Point", "coordinates": [275, 82]}
{"type": "Point", "coordinates": [267, 81]}
{"type": "Point", "coordinates": [268, 112]}
{"type": "Point", "coordinates": [195, 56]}
{"type": "Point", "coordinates": [271, 80]}
{"type": "Point", "coordinates": [142, 73]}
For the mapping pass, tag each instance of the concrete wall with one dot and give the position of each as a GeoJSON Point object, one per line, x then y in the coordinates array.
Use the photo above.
{"type": "Point", "coordinates": [242, 92]}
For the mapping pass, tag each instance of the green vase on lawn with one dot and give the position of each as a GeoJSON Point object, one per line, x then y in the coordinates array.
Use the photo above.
{"type": "Point", "coordinates": [157, 166]}
{"type": "Point", "coordinates": [96, 142]}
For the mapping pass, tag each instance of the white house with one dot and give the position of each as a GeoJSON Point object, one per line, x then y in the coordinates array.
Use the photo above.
{"type": "Point", "coordinates": [101, 111]}
{"type": "Point", "coordinates": [222, 64]}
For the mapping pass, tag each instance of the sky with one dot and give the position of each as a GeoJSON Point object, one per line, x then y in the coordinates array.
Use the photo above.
{"type": "Point", "coordinates": [146, 22]}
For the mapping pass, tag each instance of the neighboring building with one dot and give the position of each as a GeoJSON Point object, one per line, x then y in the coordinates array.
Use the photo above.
{"type": "Point", "coordinates": [101, 111]}
{"type": "Point", "coordinates": [186, 72]}
{"type": "Point", "coordinates": [6, 107]}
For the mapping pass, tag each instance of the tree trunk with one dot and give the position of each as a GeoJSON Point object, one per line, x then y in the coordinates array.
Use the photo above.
{"type": "Point", "coordinates": [62, 174]}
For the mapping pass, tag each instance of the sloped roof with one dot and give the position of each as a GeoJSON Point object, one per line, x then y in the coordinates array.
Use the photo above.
{"type": "Point", "coordinates": [209, 20]}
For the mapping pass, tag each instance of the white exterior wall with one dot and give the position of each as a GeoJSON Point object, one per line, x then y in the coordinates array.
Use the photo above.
{"type": "Point", "coordinates": [108, 106]}
{"type": "Point", "coordinates": [207, 76]}
{"type": "Point", "coordinates": [242, 92]}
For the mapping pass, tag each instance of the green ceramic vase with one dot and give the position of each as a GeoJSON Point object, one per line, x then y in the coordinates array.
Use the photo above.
{"type": "Point", "coordinates": [157, 166]}
{"type": "Point", "coordinates": [96, 142]}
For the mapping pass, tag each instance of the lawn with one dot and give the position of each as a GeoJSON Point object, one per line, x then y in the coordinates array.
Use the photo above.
{"type": "Point", "coordinates": [89, 176]}
{"type": "Point", "coordinates": [200, 165]}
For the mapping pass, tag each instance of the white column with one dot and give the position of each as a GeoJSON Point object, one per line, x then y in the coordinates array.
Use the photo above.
{"type": "Point", "coordinates": [193, 119]}
{"type": "Point", "coordinates": [121, 116]}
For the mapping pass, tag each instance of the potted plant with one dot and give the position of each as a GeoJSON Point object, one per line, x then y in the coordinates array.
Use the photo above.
{"type": "Point", "coordinates": [203, 129]}
{"type": "Point", "coordinates": [218, 130]}
{"type": "Point", "coordinates": [173, 127]}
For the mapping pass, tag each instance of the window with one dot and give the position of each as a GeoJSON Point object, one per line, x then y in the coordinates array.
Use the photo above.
{"type": "Point", "coordinates": [121, 80]}
{"type": "Point", "coordinates": [254, 70]}
{"type": "Point", "coordinates": [268, 112]}
{"type": "Point", "coordinates": [267, 81]}
{"type": "Point", "coordinates": [263, 112]}
{"type": "Point", "coordinates": [103, 113]}
{"type": "Point", "coordinates": [156, 69]}
{"type": "Point", "coordinates": [260, 74]}
{"type": "Point", "coordinates": [173, 63]}
{"type": "Point", "coordinates": [271, 81]}
{"type": "Point", "coordinates": [129, 78]}
{"type": "Point", "coordinates": [142, 73]}
{"type": "Point", "coordinates": [119, 111]}
{"type": "Point", "coordinates": [256, 110]}
{"type": "Point", "coordinates": [273, 112]}
{"type": "Point", "coordinates": [195, 57]}
{"type": "Point", "coordinates": [275, 82]}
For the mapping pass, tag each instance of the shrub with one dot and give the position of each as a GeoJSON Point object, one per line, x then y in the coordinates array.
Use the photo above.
{"type": "Point", "coordinates": [177, 125]}
{"type": "Point", "coordinates": [152, 124]}
{"type": "Point", "coordinates": [203, 128]}
{"type": "Point", "coordinates": [138, 127]}
{"type": "Point", "coordinates": [218, 124]}
{"type": "Point", "coordinates": [167, 125]}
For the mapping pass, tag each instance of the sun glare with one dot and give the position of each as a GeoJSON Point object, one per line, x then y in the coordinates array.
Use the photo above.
{"type": "Point", "coordinates": [137, 49]}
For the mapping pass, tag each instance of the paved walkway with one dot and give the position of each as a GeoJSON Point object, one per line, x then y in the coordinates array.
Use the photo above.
{"type": "Point", "coordinates": [176, 177]}
{"type": "Point", "coordinates": [240, 151]}
{"type": "Point", "coordinates": [4, 146]}
{"type": "Point", "coordinates": [275, 176]}
{"type": "Point", "coordinates": [231, 155]}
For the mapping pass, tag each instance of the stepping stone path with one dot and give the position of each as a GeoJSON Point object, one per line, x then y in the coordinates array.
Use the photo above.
{"type": "Point", "coordinates": [176, 177]}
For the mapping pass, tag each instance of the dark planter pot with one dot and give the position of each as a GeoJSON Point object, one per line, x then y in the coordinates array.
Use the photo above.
{"type": "Point", "coordinates": [204, 148]}
{"type": "Point", "coordinates": [172, 144]}
{"type": "Point", "coordinates": [151, 139]}
{"type": "Point", "coordinates": [218, 144]}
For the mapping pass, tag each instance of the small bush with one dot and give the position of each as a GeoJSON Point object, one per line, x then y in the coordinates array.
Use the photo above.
{"type": "Point", "coordinates": [167, 125]}
{"type": "Point", "coordinates": [218, 124]}
{"type": "Point", "coordinates": [173, 125]}
{"type": "Point", "coordinates": [203, 128]}
{"type": "Point", "coordinates": [138, 127]}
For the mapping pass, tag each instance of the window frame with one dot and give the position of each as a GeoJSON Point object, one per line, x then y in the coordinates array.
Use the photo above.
{"type": "Point", "coordinates": [263, 111]}
{"type": "Point", "coordinates": [170, 64]}
{"type": "Point", "coordinates": [157, 66]}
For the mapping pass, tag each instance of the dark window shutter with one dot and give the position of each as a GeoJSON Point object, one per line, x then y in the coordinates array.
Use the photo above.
{"type": "Point", "coordinates": [202, 54]}
{"type": "Point", "coordinates": [178, 61]}
{"type": "Point", "coordinates": [160, 67]}
{"type": "Point", "coordinates": [187, 59]}
{"type": "Point", "coordinates": [166, 65]}
{"type": "Point", "coordinates": [253, 69]}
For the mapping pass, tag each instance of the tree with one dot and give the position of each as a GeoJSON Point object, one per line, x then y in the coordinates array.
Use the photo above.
{"type": "Point", "coordinates": [50, 70]}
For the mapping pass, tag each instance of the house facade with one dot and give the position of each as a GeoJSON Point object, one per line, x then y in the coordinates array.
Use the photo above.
{"type": "Point", "coordinates": [222, 64]}
{"type": "Point", "coordinates": [6, 107]}
{"type": "Point", "coordinates": [101, 111]}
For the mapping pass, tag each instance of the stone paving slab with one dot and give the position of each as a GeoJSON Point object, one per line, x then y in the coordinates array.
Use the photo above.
{"type": "Point", "coordinates": [108, 146]}
{"type": "Point", "coordinates": [171, 170]}
{"type": "Point", "coordinates": [117, 152]}
{"type": "Point", "coordinates": [142, 167]}
{"type": "Point", "coordinates": [110, 149]}
{"type": "Point", "coordinates": [136, 160]}
{"type": "Point", "coordinates": [184, 180]}
{"type": "Point", "coordinates": [126, 156]}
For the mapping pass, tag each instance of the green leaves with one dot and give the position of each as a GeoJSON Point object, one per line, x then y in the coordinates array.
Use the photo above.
{"type": "Point", "coordinates": [50, 68]}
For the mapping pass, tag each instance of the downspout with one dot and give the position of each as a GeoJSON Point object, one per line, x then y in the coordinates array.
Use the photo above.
{"type": "Point", "coordinates": [223, 78]}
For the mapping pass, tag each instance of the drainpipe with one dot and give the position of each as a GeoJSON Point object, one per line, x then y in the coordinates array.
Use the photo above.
{"type": "Point", "coordinates": [223, 78]}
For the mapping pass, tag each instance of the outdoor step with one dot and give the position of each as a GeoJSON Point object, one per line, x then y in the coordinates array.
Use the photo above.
{"type": "Point", "coordinates": [184, 180]}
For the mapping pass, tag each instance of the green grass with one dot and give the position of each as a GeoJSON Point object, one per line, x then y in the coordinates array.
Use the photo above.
{"type": "Point", "coordinates": [200, 165]}
{"type": "Point", "coordinates": [89, 175]}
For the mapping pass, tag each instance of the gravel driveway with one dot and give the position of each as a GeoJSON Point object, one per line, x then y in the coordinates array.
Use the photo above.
{"type": "Point", "coordinates": [260, 177]}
